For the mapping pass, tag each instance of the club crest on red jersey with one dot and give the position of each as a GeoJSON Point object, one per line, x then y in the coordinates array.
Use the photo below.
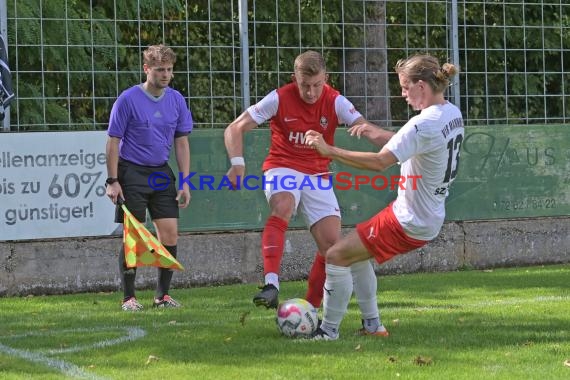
{"type": "Point", "coordinates": [324, 122]}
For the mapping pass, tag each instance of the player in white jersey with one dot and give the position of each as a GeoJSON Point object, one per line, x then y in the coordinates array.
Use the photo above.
{"type": "Point", "coordinates": [427, 147]}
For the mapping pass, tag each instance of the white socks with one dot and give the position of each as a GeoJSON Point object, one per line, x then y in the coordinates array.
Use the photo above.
{"type": "Point", "coordinates": [273, 279]}
{"type": "Point", "coordinates": [365, 286]}
{"type": "Point", "coordinates": [337, 292]}
{"type": "Point", "coordinates": [338, 288]}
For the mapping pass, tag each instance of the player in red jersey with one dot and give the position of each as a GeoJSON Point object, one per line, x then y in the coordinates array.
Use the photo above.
{"type": "Point", "coordinates": [307, 103]}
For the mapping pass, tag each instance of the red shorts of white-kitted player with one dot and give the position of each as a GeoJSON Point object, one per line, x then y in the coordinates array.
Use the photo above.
{"type": "Point", "coordinates": [384, 237]}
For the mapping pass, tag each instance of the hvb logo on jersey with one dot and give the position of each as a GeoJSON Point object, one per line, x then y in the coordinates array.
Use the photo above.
{"type": "Point", "coordinates": [297, 137]}
{"type": "Point", "coordinates": [324, 122]}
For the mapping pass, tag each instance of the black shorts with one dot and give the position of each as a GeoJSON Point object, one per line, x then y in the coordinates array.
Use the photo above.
{"type": "Point", "coordinates": [144, 187]}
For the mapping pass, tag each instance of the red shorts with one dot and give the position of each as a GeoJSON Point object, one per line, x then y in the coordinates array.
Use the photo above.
{"type": "Point", "coordinates": [384, 237]}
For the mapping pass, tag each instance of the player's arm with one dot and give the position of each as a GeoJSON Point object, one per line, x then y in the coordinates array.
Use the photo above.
{"type": "Point", "coordinates": [376, 135]}
{"type": "Point", "coordinates": [233, 134]}
{"type": "Point", "coordinates": [182, 151]}
{"type": "Point", "coordinates": [233, 139]}
{"type": "Point", "coordinates": [361, 160]}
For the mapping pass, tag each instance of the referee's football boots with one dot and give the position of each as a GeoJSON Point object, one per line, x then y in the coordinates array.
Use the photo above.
{"type": "Point", "coordinates": [166, 301]}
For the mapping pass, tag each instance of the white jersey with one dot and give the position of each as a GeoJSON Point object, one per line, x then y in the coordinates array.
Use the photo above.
{"type": "Point", "coordinates": [428, 146]}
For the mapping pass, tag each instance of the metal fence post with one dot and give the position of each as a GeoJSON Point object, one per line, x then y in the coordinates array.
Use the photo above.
{"type": "Point", "coordinates": [244, 57]}
{"type": "Point", "coordinates": [4, 32]}
{"type": "Point", "coordinates": [454, 39]}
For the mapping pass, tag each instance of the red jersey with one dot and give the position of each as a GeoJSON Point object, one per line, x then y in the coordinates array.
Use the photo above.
{"type": "Point", "coordinates": [294, 117]}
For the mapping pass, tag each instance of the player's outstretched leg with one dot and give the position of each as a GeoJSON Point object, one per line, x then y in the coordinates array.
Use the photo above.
{"type": "Point", "coordinates": [272, 244]}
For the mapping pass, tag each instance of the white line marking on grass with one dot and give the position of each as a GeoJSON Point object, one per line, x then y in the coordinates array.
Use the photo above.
{"type": "Point", "coordinates": [133, 333]}
{"type": "Point", "coordinates": [64, 367]}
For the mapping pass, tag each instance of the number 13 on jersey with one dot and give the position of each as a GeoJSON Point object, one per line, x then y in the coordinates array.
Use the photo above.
{"type": "Point", "coordinates": [453, 148]}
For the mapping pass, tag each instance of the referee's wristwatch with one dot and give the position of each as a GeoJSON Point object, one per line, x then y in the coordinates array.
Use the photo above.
{"type": "Point", "coordinates": [111, 180]}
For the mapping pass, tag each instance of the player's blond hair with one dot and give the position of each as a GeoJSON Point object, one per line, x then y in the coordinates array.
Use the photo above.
{"type": "Point", "coordinates": [426, 68]}
{"type": "Point", "coordinates": [156, 55]}
{"type": "Point", "coordinates": [310, 63]}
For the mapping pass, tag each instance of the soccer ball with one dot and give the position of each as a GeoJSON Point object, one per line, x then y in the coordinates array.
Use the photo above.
{"type": "Point", "coordinates": [296, 318]}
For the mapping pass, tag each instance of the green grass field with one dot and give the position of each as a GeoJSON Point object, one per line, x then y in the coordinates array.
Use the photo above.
{"type": "Point", "coordinates": [499, 324]}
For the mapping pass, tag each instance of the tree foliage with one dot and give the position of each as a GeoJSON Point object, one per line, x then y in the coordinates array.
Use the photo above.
{"type": "Point", "coordinates": [70, 66]}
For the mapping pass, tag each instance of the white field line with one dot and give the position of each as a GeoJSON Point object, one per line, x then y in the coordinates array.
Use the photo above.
{"type": "Point", "coordinates": [60, 365]}
{"type": "Point", "coordinates": [133, 333]}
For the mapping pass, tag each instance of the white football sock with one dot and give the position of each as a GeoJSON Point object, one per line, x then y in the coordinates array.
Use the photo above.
{"type": "Point", "coordinates": [337, 292]}
{"type": "Point", "coordinates": [372, 324]}
{"type": "Point", "coordinates": [273, 279]}
{"type": "Point", "coordinates": [365, 286]}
